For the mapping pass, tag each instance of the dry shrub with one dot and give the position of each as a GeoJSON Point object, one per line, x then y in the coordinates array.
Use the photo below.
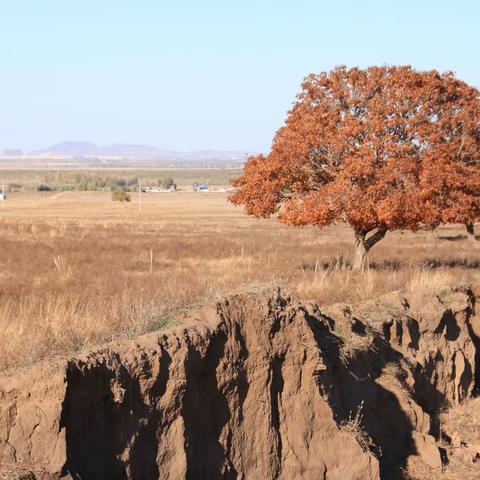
{"type": "Point", "coordinates": [120, 196]}
{"type": "Point", "coordinates": [353, 344]}
{"type": "Point", "coordinates": [353, 426]}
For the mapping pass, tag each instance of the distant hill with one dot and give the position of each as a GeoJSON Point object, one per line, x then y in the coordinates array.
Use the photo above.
{"type": "Point", "coordinates": [88, 149]}
{"type": "Point", "coordinates": [70, 148]}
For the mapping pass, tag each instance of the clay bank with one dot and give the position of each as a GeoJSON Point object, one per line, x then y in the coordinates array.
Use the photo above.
{"type": "Point", "coordinates": [256, 386]}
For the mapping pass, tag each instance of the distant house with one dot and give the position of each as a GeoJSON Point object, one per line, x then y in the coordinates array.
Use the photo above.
{"type": "Point", "coordinates": [202, 187]}
{"type": "Point", "coordinates": [157, 190]}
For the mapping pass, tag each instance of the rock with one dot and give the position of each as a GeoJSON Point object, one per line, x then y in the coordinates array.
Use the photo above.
{"type": "Point", "coordinates": [474, 451]}
{"type": "Point", "coordinates": [427, 449]}
{"type": "Point", "coordinates": [16, 474]}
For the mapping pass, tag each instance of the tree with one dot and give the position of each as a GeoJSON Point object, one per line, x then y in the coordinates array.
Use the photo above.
{"type": "Point", "coordinates": [452, 173]}
{"type": "Point", "coordinates": [371, 148]}
{"type": "Point", "coordinates": [167, 182]}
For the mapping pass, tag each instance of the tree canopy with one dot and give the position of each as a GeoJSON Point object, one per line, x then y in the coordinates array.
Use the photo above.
{"type": "Point", "coordinates": [380, 148]}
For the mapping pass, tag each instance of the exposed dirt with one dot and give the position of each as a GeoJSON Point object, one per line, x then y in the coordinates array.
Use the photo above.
{"type": "Point", "coordinates": [257, 386]}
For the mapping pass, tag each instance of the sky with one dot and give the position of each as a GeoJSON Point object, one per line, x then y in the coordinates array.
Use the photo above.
{"type": "Point", "coordinates": [194, 74]}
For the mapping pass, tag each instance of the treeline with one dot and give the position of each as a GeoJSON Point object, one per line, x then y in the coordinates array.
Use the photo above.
{"type": "Point", "coordinates": [89, 181]}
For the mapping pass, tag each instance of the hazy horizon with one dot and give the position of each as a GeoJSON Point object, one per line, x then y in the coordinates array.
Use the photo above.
{"type": "Point", "coordinates": [191, 77]}
{"type": "Point", "coordinates": [71, 144]}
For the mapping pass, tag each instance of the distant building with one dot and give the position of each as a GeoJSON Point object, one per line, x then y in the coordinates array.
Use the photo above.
{"type": "Point", "coordinates": [202, 187]}
{"type": "Point", "coordinates": [3, 196]}
{"type": "Point", "coordinates": [12, 152]}
{"type": "Point", "coordinates": [156, 190]}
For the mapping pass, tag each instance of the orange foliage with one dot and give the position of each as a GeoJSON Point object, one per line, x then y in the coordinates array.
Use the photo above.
{"type": "Point", "coordinates": [381, 148]}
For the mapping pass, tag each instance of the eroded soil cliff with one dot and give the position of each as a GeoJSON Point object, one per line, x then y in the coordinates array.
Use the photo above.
{"type": "Point", "coordinates": [256, 386]}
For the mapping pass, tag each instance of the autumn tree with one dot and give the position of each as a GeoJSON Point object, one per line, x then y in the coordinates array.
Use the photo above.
{"type": "Point", "coordinates": [381, 148]}
{"type": "Point", "coordinates": [451, 170]}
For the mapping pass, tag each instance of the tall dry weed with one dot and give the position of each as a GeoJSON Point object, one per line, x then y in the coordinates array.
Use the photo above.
{"type": "Point", "coordinates": [63, 269]}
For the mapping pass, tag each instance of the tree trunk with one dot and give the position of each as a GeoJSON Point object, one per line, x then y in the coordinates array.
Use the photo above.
{"type": "Point", "coordinates": [470, 231]}
{"type": "Point", "coordinates": [363, 246]}
{"type": "Point", "coordinates": [360, 260]}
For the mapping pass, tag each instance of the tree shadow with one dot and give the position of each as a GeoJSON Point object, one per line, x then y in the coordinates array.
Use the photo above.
{"type": "Point", "coordinates": [429, 263]}
{"type": "Point", "coordinates": [455, 238]}
{"type": "Point", "coordinates": [434, 263]}
{"type": "Point", "coordinates": [390, 265]}
{"type": "Point", "coordinates": [344, 262]}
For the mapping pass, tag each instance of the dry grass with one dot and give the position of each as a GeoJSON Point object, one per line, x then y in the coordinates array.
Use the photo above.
{"type": "Point", "coordinates": [435, 281]}
{"type": "Point", "coordinates": [353, 426]}
{"type": "Point", "coordinates": [352, 344]}
{"type": "Point", "coordinates": [78, 268]}
{"type": "Point", "coordinates": [464, 420]}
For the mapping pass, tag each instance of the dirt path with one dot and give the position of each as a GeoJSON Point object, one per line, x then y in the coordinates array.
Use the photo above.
{"type": "Point", "coordinates": [53, 197]}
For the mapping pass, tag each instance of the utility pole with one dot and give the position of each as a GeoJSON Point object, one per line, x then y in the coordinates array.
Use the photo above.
{"type": "Point", "coordinates": [139, 194]}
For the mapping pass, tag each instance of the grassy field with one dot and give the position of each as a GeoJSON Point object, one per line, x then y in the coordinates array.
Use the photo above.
{"type": "Point", "coordinates": [77, 268]}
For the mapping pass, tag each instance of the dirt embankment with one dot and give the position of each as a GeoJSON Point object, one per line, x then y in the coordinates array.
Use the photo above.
{"type": "Point", "coordinates": [258, 386]}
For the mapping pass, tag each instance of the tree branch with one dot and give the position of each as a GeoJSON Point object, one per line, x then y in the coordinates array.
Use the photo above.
{"type": "Point", "coordinates": [375, 238]}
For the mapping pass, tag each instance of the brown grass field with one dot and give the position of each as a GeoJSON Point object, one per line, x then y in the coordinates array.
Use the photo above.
{"type": "Point", "coordinates": [77, 268]}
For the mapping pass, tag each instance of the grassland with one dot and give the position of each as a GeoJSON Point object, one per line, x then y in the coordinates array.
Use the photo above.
{"type": "Point", "coordinates": [77, 268]}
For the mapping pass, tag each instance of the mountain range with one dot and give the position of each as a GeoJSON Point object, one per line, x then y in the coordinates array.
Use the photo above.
{"type": "Point", "coordinates": [125, 150]}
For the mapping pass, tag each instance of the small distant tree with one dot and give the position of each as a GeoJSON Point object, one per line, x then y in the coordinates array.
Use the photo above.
{"type": "Point", "coordinates": [167, 182]}
{"type": "Point", "coordinates": [44, 188]}
{"type": "Point", "coordinates": [381, 149]}
{"type": "Point", "coordinates": [14, 187]}
{"type": "Point", "coordinates": [131, 182]}
{"type": "Point", "coordinates": [120, 195]}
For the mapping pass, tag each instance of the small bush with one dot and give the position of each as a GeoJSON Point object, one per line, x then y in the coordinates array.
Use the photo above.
{"type": "Point", "coordinates": [44, 188]}
{"type": "Point", "coordinates": [120, 196]}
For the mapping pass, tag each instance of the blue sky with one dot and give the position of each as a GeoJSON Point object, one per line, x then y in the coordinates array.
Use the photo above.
{"type": "Point", "coordinates": [202, 74]}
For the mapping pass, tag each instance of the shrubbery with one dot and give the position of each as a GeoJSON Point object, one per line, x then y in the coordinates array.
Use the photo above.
{"type": "Point", "coordinates": [120, 196]}
{"type": "Point", "coordinates": [166, 182]}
